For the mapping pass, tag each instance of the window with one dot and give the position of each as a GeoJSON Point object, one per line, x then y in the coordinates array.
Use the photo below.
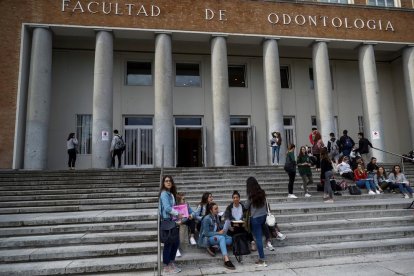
{"type": "Point", "coordinates": [237, 75]}
{"type": "Point", "coordinates": [138, 121]}
{"type": "Point", "coordinates": [313, 122]}
{"type": "Point", "coordinates": [187, 74]}
{"type": "Point", "coordinates": [139, 73]}
{"type": "Point", "coordinates": [361, 124]}
{"type": "Point", "coordinates": [312, 82]}
{"type": "Point", "coordinates": [239, 121]}
{"type": "Point", "coordinates": [381, 3]}
{"type": "Point", "coordinates": [84, 133]}
{"type": "Point", "coordinates": [335, 1]}
{"type": "Point", "coordinates": [285, 76]}
{"type": "Point", "coordinates": [188, 121]}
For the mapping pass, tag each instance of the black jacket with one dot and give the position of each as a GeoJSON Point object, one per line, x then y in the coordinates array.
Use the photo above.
{"type": "Point", "coordinates": [363, 146]}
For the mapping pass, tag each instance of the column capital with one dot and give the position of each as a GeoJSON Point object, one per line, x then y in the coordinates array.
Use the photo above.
{"type": "Point", "coordinates": [219, 35]}
{"type": "Point", "coordinates": [161, 32]}
{"type": "Point", "coordinates": [271, 38]}
{"type": "Point", "coordinates": [103, 30]}
{"type": "Point", "coordinates": [40, 26]}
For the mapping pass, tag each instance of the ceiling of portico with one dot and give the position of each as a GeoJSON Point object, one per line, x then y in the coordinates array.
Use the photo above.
{"type": "Point", "coordinates": [198, 43]}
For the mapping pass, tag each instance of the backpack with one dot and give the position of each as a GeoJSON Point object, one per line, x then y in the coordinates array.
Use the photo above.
{"type": "Point", "coordinates": [240, 245]}
{"type": "Point", "coordinates": [348, 143]}
{"type": "Point", "coordinates": [333, 146]}
{"type": "Point", "coordinates": [354, 190]}
{"type": "Point", "coordinates": [119, 144]}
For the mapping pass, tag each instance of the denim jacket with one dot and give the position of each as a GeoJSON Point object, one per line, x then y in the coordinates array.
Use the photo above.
{"type": "Point", "coordinates": [167, 201]}
{"type": "Point", "coordinates": [207, 229]}
{"type": "Point", "coordinates": [200, 212]}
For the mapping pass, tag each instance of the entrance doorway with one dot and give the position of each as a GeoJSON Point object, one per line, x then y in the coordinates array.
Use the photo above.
{"type": "Point", "coordinates": [240, 147]}
{"type": "Point", "coordinates": [138, 137]}
{"type": "Point", "coordinates": [189, 147]}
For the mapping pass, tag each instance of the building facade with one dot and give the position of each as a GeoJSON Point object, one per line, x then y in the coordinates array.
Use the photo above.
{"type": "Point", "coordinates": [201, 83]}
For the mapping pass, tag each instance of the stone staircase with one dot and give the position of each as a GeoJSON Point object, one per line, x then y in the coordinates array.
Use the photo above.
{"type": "Point", "coordinates": [86, 222]}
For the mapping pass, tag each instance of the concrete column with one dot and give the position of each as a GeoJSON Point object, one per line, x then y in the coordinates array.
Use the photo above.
{"type": "Point", "coordinates": [102, 116]}
{"type": "Point", "coordinates": [273, 93]}
{"type": "Point", "coordinates": [408, 70]}
{"type": "Point", "coordinates": [38, 107]}
{"type": "Point", "coordinates": [371, 98]}
{"type": "Point", "coordinates": [221, 105]}
{"type": "Point", "coordinates": [163, 89]}
{"type": "Point", "coordinates": [323, 89]}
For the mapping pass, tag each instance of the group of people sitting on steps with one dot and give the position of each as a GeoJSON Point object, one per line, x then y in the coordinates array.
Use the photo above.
{"type": "Point", "coordinates": [342, 160]}
{"type": "Point", "coordinates": [216, 229]}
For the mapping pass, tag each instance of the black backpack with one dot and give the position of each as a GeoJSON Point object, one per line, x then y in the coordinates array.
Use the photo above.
{"type": "Point", "coordinates": [354, 190]}
{"type": "Point", "coordinates": [120, 144]}
{"type": "Point", "coordinates": [240, 245]}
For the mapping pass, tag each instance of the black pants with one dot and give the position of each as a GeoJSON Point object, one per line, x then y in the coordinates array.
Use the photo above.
{"type": "Point", "coordinates": [117, 153]}
{"type": "Point", "coordinates": [191, 225]}
{"type": "Point", "coordinates": [72, 158]}
{"type": "Point", "coordinates": [292, 176]}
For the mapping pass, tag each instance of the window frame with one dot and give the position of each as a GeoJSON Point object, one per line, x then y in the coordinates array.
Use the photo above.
{"type": "Point", "coordinates": [289, 77]}
{"type": "Point", "coordinates": [139, 61]}
{"type": "Point", "coordinates": [199, 74]}
{"type": "Point", "coordinates": [244, 66]}
{"type": "Point", "coordinates": [84, 142]}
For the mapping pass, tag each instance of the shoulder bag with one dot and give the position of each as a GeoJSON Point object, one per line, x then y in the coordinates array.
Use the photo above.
{"type": "Point", "coordinates": [270, 219]}
{"type": "Point", "coordinates": [169, 230]}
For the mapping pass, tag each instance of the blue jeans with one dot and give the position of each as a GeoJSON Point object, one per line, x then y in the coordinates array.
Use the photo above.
{"type": "Point", "coordinates": [275, 152]}
{"type": "Point", "coordinates": [222, 241]}
{"type": "Point", "coordinates": [404, 189]}
{"type": "Point", "coordinates": [257, 226]}
{"type": "Point", "coordinates": [366, 183]}
{"type": "Point", "coordinates": [170, 249]}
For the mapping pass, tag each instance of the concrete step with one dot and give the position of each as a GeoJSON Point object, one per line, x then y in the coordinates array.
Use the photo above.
{"type": "Point", "coordinates": [77, 251]}
{"type": "Point", "coordinates": [77, 191]}
{"type": "Point", "coordinates": [198, 256]}
{"type": "Point", "coordinates": [77, 238]}
{"type": "Point", "coordinates": [79, 227]}
{"type": "Point", "coordinates": [87, 184]}
{"type": "Point", "coordinates": [99, 216]}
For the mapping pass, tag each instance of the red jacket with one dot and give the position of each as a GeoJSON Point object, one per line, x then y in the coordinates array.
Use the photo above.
{"type": "Point", "coordinates": [360, 175]}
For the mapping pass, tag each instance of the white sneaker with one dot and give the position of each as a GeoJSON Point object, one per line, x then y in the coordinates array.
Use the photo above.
{"type": "Point", "coordinates": [406, 196]}
{"type": "Point", "coordinates": [193, 241]}
{"type": "Point", "coordinates": [307, 195]}
{"type": "Point", "coordinates": [371, 192]}
{"type": "Point", "coordinates": [261, 263]}
{"type": "Point", "coordinates": [292, 196]}
{"type": "Point", "coordinates": [280, 236]}
{"type": "Point", "coordinates": [301, 187]}
{"type": "Point", "coordinates": [377, 192]}
{"type": "Point", "coordinates": [270, 246]}
{"type": "Point", "coordinates": [178, 254]}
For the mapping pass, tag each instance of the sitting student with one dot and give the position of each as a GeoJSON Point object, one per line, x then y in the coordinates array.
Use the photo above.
{"type": "Point", "coordinates": [380, 179]}
{"type": "Point", "coordinates": [372, 168]}
{"type": "Point", "coordinates": [344, 169]}
{"type": "Point", "coordinates": [235, 212]}
{"type": "Point", "coordinates": [398, 179]}
{"type": "Point", "coordinates": [190, 221]}
{"type": "Point", "coordinates": [362, 181]}
{"type": "Point", "coordinates": [272, 232]}
{"type": "Point", "coordinates": [202, 208]}
{"type": "Point", "coordinates": [212, 234]}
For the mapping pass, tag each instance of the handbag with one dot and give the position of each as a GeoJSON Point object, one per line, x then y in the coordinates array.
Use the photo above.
{"type": "Point", "coordinates": [290, 166]}
{"type": "Point", "coordinates": [240, 245]}
{"type": "Point", "coordinates": [169, 231]}
{"type": "Point", "coordinates": [270, 219]}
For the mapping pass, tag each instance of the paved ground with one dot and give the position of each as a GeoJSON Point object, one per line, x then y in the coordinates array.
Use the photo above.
{"type": "Point", "coordinates": [374, 264]}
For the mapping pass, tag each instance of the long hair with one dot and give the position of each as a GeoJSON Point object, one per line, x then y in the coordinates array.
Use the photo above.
{"type": "Point", "coordinates": [204, 198]}
{"type": "Point", "coordinates": [173, 189]}
{"type": "Point", "coordinates": [300, 151]}
{"type": "Point", "coordinates": [324, 153]}
{"type": "Point", "coordinates": [378, 173]}
{"type": "Point", "coordinates": [209, 207]}
{"type": "Point", "coordinates": [317, 136]}
{"type": "Point", "coordinates": [255, 193]}
{"type": "Point", "coordinates": [394, 171]}
{"type": "Point", "coordinates": [290, 147]}
{"type": "Point", "coordinates": [71, 135]}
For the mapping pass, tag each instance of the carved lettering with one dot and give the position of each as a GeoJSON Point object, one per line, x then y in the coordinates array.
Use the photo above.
{"type": "Point", "coordinates": [90, 9]}
{"type": "Point", "coordinates": [389, 26]}
{"type": "Point", "coordinates": [209, 14]}
{"type": "Point", "coordinates": [79, 7]}
{"type": "Point", "coordinates": [142, 11]}
{"type": "Point", "coordinates": [286, 19]}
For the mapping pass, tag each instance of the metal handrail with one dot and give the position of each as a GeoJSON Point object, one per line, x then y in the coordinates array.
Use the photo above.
{"type": "Point", "coordinates": [158, 216]}
{"type": "Point", "coordinates": [396, 154]}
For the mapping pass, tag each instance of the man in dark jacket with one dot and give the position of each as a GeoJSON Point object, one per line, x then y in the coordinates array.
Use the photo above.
{"type": "Point", "coordinates": [346, 143]}
{"type": "Point", "coordinates": [363, 148]}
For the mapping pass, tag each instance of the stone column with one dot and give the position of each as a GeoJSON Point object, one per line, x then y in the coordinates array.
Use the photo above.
{"type": "Point", "coordinates": [102, 117]}
{"type": "Point", "coordinates": [408, 70]}
{"type": "Point", "coordinates": [273, 93]}
{"type": "Point", "coordinates": [221, 105]}
{"type": "Point", "coordinates": [39, 97]}
{"type": "Point", "coordinates": [323, 89]}
{"type": "Point", "coordinates": [371, 98]}
{"type": "Point", "coordinates": [163, 90]}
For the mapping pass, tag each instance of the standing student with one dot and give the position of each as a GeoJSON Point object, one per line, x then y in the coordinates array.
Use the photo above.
{"type": "Point", "coordinates": [168, 193]}
{"type": "Point", "coordinates": [275, 143]}
{"type": "Point", "coordinates": [115, 151]}
{"type": "Point", "coordinates": [290, 168]}
{"type": "Point", "coordinates": [363, 146]}
{"type": "Point", "coordinates": [333, 148]}
{"type": "Point", "coordinates": [256, 201]}
{"type": "Point", "coordinates": [326, 175]}
{"type": "Point", "coordinates": [316, 148]}
{"type": "Point", "coordinates": [71, 144]}
{"type": "Point", "coordinates": [304, 167]}
{"type": "Point", "coordinates": [346, 143]}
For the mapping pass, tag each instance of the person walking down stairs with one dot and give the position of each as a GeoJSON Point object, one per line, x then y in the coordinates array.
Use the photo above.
{"type": "Point", "coordinates": [290, 168]}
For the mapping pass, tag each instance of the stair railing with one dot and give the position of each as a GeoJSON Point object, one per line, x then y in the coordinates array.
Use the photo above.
{"type": "Point", "coordinates": [159, 217]}
{"type": "Point", "coordinates": [396, 154]}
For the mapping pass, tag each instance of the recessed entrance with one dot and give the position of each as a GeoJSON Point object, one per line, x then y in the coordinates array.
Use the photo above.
{"type": "Point", "coordinates": [189, 147]}
{"type": "Point", "coordinates": [240, 147]}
